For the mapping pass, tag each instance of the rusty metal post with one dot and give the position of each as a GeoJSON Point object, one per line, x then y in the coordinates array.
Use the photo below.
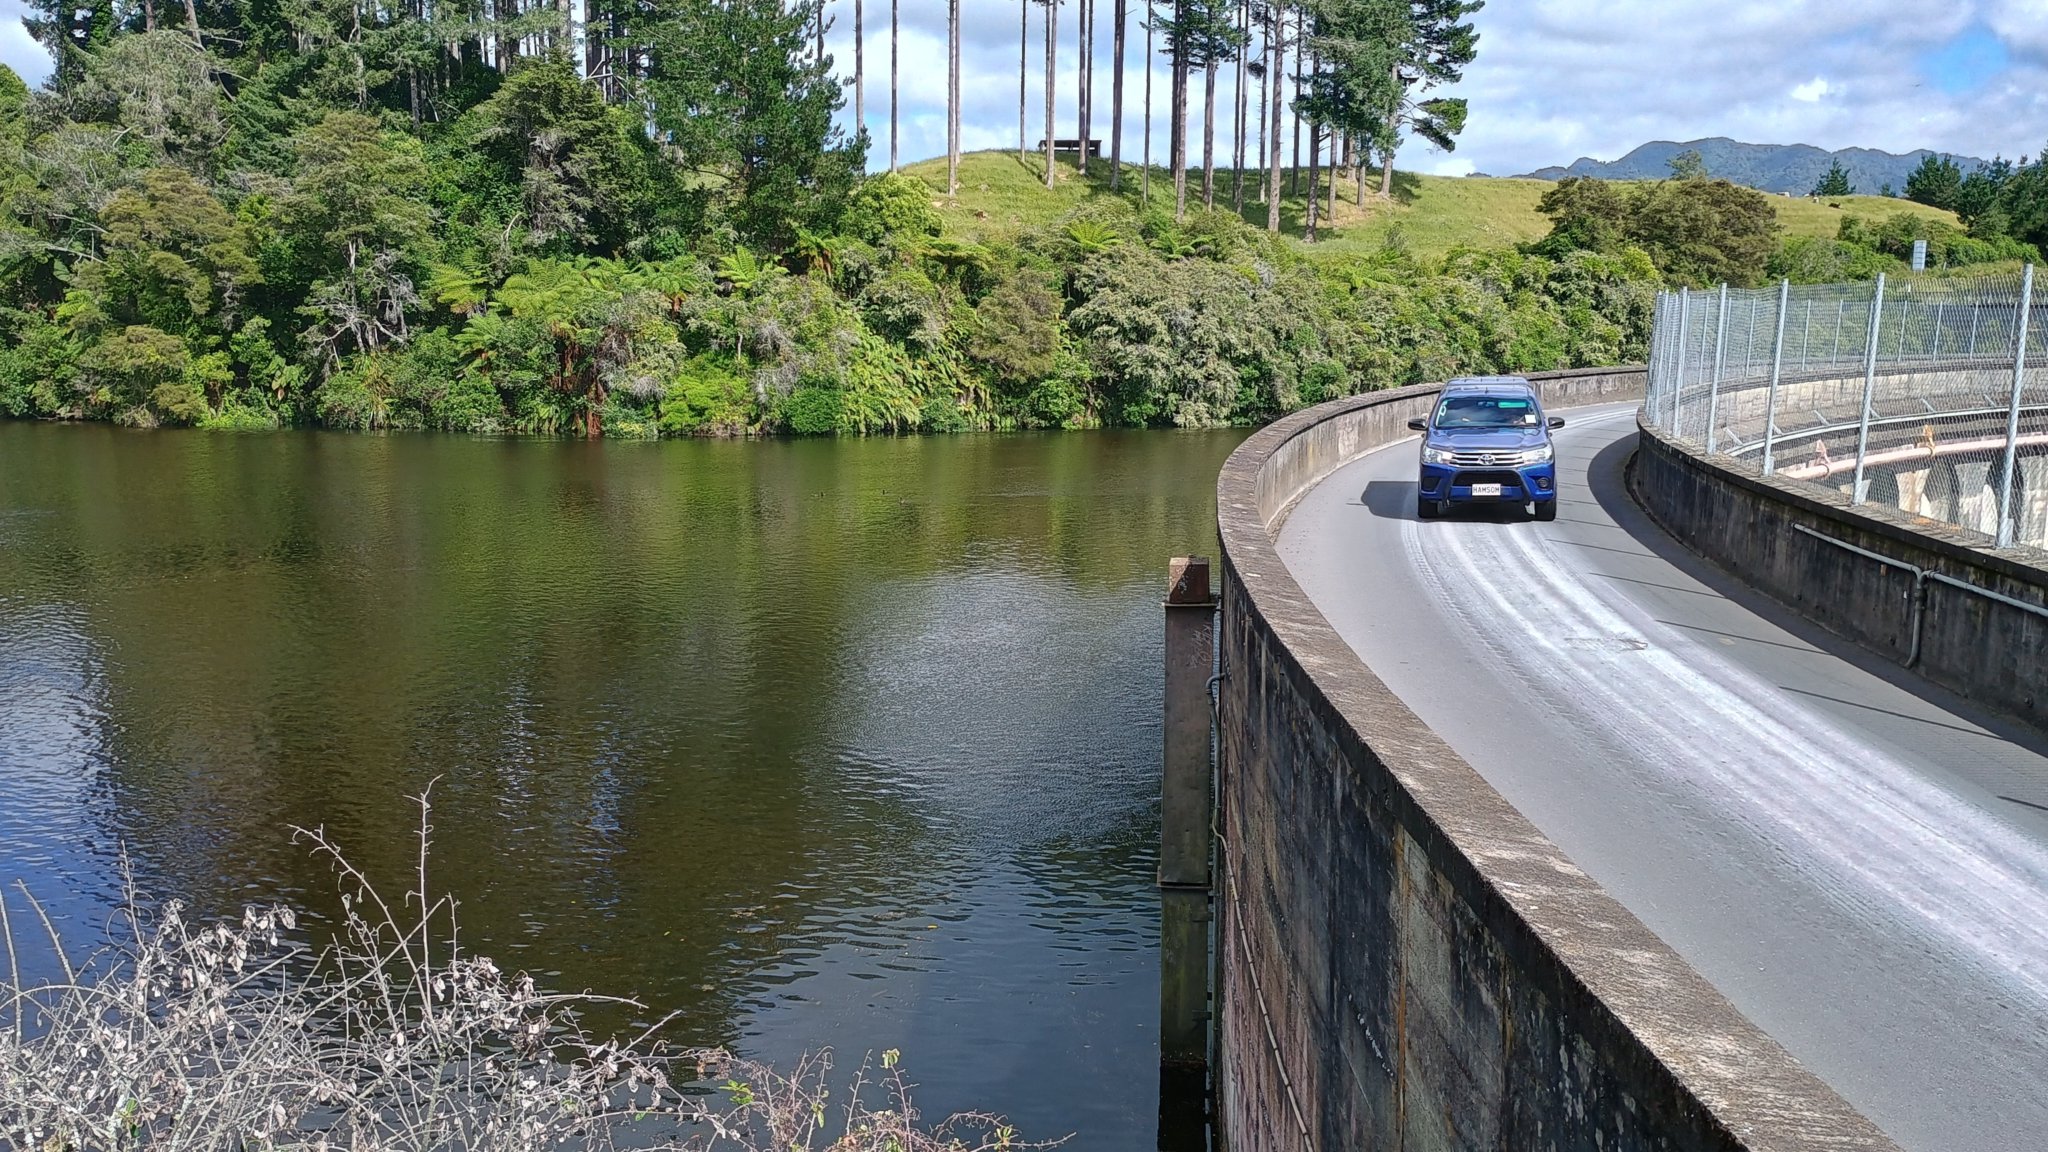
{"type": "Point", "coordinates": [1186, 814]}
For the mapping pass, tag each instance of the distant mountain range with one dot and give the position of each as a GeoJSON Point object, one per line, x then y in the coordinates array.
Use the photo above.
{"type": "Point", "coordinates": [1793, 168]}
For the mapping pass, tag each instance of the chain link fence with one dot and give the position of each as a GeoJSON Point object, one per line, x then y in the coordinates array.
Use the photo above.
{"type": "Point", "coordinates": [1928, 395]}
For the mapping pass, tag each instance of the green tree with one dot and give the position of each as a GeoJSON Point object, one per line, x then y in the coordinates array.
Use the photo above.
{"type": "Point", "coordinates": [173, 259]}
{"type": "Point", "coordinates": [1431, 47]}
{"type": "Point", "coordinates": [1705, 231]}
{"type": "Point", "coordinates": [1688, 165]}
{"type": "Point", "coordinates": [359, 189]}
{"type": "Point", "coordinates": [586, 172]}
{"type": "Point", "coordinates": [1936, 182]}
{"type": "Point", "coordinates": [745, 103]}
{"type": "Point", "coordinates": [159, 89]}
{"type": "Point", "coordinates": [1978, 197]}
{"type": "Point", "coordinates": [1357, 90]}
{"type": "Point", "coordinates": [1585, 213]}
{"type": "Point", "coordinates": [357, 202]}
{"type": "Point", "coordinates": [1835, 182]}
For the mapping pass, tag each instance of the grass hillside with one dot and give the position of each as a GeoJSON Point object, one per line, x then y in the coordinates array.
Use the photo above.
{"type": "Point", "coordinates": [1430, 214]}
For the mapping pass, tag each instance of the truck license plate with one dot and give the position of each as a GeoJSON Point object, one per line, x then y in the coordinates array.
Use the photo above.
{"type": "Point", "coordinates": [1486, 489]}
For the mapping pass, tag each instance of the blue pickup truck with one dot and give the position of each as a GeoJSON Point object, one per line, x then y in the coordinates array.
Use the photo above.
{"type": "Point", "coordinates": [1487, 442]}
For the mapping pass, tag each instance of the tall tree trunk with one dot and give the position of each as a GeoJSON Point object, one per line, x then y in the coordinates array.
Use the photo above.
{"type": "Point", "coordinates": [1209, 136]}
{"type": "Point", "coordinates": [1052, 50]}
{"type": "Point", "coordinates": [508, 46]}
{"type": "Point", "coordinates": [860, 74]}
{"type": "Point", "coordinates": [1300, 35]}
{"type": "Point", "coordinates": [895, 87]}
{"type": "Point", "coordinates": [149, 15]}
{"type": "Point", "coordinates": [820, 24]}
{"type": "Point", "coordinates": [1237, 124]}
{"type": "Point", "coordinates": [1332, 222]}
{"type": "Point", "coordinates": [1387, 149]}
{"type": "Point", "coordinates": [1121, 14]}
{"type": "Point", "coordinates": [952, 97]}
{"type": "Point", "coordinates": [1178, 147]}
{"type": "Point", "coordinates": [594, 41]}
{"type": "Point", "coordinates": [1265, 82]}
{"type": "Point", "coordinates": [192, 21]}
{"type": "Point", "coordinates": [1084, 41]}
{"type": "Point", "coordinates": [1308, 228]}
{"type": "Point", "coordinates": [1276, 52]}
{"type": "Point", "coordinates": [1023, 69]}
{"type": "Point", "coordinates": [1145, 178]}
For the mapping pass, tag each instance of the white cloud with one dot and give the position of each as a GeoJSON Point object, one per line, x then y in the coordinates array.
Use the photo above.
{"type": "Point", "coordinates": [1560, 79]}
{"type": "Point", "coordinates": [1811, 91]}
{"type": "Point", "coordinates": [18, 50]}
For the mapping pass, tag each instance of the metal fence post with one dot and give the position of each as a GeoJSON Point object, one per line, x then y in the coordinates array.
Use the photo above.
{"type": "Point", "coordinates": [1777, 364]}
{"type": "Point", "coordinates": [2012, 412]}
{"type": "Point", "coordinates": [1678, 377]}
{"type": "Point", "coordinates": [1720, 351]}
{"type": "Point", "coordinates": [1805, 335]}
{"type": "Point", "coordinates": [1756, 304]}
{"type": "Point", "coordinates": [1856, 488]}
{"type": "Point", "coordinates": [1841, 310]}
{"type": "Point", "coordinates": [1940, 306]}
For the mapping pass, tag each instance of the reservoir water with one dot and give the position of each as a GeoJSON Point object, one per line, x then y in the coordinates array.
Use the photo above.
{"type": "Point", "coordinates": [818, 743]}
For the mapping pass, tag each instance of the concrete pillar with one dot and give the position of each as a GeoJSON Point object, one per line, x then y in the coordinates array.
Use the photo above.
{"type": "Point", "coordinates": [1184, 801]}
{"type": "Point", "coordinates": [1186, 804]}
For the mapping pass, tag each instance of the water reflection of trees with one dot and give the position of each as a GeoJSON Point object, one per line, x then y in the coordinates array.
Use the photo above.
{"type": "Point", "coordinates": [632, 667]}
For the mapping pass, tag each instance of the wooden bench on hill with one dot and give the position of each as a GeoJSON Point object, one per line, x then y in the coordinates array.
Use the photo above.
{"type": "Point", "coordinates": [1071, 144]}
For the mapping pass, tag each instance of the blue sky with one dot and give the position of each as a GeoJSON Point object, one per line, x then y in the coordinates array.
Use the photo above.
{"type": "Point", "coordinates": [1555, 79]}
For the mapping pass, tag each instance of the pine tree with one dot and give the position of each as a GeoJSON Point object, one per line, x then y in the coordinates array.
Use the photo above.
{"type": "Point", "coordinates": [1276, 26]}
{"type": "Point", "coordinates": [1431, 48]}
{"type": "Point", "coordinates": [1023, 69]}
{"type": "Point", "coordinates": [895, 86]}
{"type": "Point", "coordinates": [1935, 182]}
{"type": "Point", "coordinates": [952, 97]}
{"type": "Point", "coordinates": [1151, 33]}
{"type": "Point", "coordinates": [1200, 34]}
{"type": "Point", "coordinates": [1121, 15]}
{"type": "Point", "coordinates": [1052, 49]}
{"type": "Point", "coordinates": [1835, 182]}
{"type": "Point", "coordinates": [1244, 32]}
{"type": "Point", "coordinates": [1084, 43]}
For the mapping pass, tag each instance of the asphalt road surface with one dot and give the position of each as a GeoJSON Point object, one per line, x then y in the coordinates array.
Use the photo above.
{"type": "Point", "coordinates": [1858, 861]}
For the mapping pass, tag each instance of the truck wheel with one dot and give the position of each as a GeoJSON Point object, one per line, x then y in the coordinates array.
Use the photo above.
{"type": "Point", "coordinates": [1427, 509]}
{"type": "Point", "coordinates": [1546, 510]}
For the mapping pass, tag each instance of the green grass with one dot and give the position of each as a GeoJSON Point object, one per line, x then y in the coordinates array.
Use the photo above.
{"type": "Point", "coordinates": [1001, 196]}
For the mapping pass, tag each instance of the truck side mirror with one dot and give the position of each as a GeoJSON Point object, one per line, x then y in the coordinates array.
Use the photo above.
{"type": "Point", "coordinates": [1557, 421]}
{"type": "Point", "coordinates": [1418, 425]}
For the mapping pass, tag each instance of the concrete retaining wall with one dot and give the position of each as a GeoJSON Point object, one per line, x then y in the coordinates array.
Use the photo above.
{"type": "Point", "coordinates": [1406, 962]}
{"type": "Point", "coordinates": [1748, 523]}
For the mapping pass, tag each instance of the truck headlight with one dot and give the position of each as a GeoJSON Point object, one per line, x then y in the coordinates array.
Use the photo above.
{"type": "Point", "coordinates": [1435, 455]}
{"type": "Point", "coordinates": [1539, 455]}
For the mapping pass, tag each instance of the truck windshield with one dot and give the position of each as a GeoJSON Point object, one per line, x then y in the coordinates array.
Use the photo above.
{"type": "Point", "coordinates": [1485, 412]}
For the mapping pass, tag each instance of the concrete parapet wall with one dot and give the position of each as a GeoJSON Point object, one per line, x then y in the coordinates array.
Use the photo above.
{"type": "Point", "coordinates": [1748, 523]}
{"type": "Point", "coordinates": [1406, 962]}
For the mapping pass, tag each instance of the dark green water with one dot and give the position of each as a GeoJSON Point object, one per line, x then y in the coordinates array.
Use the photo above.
{"type": "Point", "coordinates": [849, 744]}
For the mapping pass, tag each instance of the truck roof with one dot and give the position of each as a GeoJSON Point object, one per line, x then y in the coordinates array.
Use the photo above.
{"type": "Point", "coordinates": [1491, 385]}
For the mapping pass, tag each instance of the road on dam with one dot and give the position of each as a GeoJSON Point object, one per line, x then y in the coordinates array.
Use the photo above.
{"type": "Point", "coordinates": [1858, 861]}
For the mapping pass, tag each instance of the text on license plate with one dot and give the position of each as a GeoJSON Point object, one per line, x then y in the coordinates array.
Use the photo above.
{"type": "Point", "coordinates": [1486, 489]}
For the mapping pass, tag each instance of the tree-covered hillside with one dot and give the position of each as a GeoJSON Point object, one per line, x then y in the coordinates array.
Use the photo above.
{"type": "Point", "coordinates": [1793, 168]}
{"type": "Point", "coordinates": [243, 214]}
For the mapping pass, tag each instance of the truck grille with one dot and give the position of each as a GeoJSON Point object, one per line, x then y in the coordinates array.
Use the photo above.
{"type": "Point", "coordinates": [1499, 458]}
